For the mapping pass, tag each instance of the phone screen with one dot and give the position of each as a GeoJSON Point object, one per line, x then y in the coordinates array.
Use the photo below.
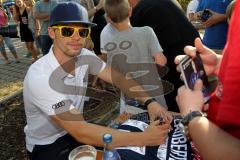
{"type": "Point", "coordinates": [192, 69]}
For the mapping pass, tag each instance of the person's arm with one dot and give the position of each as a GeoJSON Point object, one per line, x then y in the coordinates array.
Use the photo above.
{"type": "Point", "coordinates": [154, 109]}
{"type": "Point", "coordinates": [103, 42]}
{"type": "Point", "coordinates": [154, 47]}
{"type": "Point", "coordinates": [37, 27]}
{"type": "Point", "coordinates": [92, 10]}
{"type": "Point", "coordinates": [212, 142]}
{"type": "Point", "coordinates": [27, 8]}
{"type": "Point", "coordinates": [215, 19]}
{"type": "Point", "coordinates": [210, 59]}
{"type": "Point", "coordinates": [111, 76]}
{"type": "Point", "coordinates": [103, 56]}
{"type": "Point", "coordinates": [15, 14]}
{"type": "Point", "coordinates": [5, 15]}
{"type": "Point", "coordinates": [71, 120]}
{"type": "Point", "coordinates": [91, 134]}
{"type": "Point", "coordinates": [160, 59]}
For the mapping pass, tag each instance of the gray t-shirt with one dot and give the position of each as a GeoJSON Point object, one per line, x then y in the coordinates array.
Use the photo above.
{"type": "Point", "coordinates": [44, 7]}
{"type": "Point", "coordinates": [139, 44]}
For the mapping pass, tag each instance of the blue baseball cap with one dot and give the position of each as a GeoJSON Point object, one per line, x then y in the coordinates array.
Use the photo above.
{"type": "Point", "coordinates": [69, 13]}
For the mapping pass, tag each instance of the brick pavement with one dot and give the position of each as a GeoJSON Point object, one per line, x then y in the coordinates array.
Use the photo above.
{"type": "Point", "coordinates": [14, 72]}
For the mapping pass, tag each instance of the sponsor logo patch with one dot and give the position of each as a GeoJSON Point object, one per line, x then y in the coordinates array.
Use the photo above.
{"type": "Point", "coordinates": [58, 105]}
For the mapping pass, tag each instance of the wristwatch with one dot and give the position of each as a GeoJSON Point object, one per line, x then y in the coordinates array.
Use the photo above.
{"type": "Point", "coordinates": [183, 124]}
{"type": "Point", "coordinates": [147, 102]}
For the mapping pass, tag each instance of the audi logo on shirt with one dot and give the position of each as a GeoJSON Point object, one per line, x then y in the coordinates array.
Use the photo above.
{"type": "Point", "coordinates": [58, 105]}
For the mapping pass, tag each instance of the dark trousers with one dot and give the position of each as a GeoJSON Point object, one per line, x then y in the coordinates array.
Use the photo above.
{"type": "Point", "coordinates": [46, 43]}
{"type": "Point", "coordinates": [59, 150]}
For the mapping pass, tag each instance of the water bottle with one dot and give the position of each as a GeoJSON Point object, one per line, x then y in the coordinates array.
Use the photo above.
{"type": "Point", "coordinates": [109, 154]}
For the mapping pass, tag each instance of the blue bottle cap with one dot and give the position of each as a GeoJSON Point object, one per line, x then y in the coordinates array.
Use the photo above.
{"type": "Point", "coordinates": [107, 138]}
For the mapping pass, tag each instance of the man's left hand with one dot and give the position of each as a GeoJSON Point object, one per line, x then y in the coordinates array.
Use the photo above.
{"type": "Point", "coordinates": [155, 110]}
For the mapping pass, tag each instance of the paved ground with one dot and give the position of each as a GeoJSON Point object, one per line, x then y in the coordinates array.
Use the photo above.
{"type": "Point", "coordinates": [14, 72]}
{"type": "Point", "coordinates": [12, 117]}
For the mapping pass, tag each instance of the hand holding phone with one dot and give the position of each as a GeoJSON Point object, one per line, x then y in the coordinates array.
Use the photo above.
{"type": "Point", "coordinates": [205, 15]}
{"type": "Point", "coordinates": [192, 70]}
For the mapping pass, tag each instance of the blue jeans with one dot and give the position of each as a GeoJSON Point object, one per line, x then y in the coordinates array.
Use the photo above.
{"type": "Point", "coordinates": [46, 43]}
{"type": "Point", "coordinates": [9, 43]}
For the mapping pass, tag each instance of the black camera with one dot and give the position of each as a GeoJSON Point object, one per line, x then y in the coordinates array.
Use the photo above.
{"type": "Point", "coordinates": [205, 15]}
{"type": "Point", "coordinates": [9, 31]}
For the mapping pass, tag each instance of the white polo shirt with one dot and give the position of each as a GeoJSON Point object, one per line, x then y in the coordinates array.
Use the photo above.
{"type": "Point", "coordinates": [49, 90]}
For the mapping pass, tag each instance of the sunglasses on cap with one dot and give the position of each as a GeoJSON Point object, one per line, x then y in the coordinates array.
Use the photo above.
{"type": "Point", "coordinates": [68, 31]}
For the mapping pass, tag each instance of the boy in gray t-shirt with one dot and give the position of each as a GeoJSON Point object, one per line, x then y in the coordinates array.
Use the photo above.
{"type": "Point", "coordinates": [139, 45]}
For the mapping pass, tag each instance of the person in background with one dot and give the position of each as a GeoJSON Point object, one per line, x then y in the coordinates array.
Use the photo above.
{"type": "Point", "coordinates": [141, 47]}
{"type": "Point", "coordinates": [20, 15]}
{"type": "Point", "coordinates": [33, 24]}
{"type": "Point", "coordinates": [216, 26]}
{"type": "Point", "coordinates": [221, 130]}
{"type": "Point", "coordinates": [173, 30]}
{"type": "Point", "coordinates": [96, 15]}
{"type": "Point", "coordinates": [11, 47]}
{"type": "Point", "coordinates": [55, 122]}
{"type": "Point", "coordinates": [8, 41]}
{"type": "Point", "coordinates": [41, 12]}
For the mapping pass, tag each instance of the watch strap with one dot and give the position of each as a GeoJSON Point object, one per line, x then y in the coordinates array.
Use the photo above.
{"type": "Point", "coordinates": [147, 102]}
{"type": "Point", "coordinates": [185, 121]}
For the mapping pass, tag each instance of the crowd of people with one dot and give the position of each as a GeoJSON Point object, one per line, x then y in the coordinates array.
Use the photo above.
{"type": "Point", "coordinates": [135, 45]}
{"type": "Point", "coordinates": [32, 20]}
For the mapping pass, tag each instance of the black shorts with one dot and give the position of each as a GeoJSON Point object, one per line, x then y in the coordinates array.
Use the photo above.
{"type": "Point", "coordinates": [26, 34]}
{"type": "Point", "coordinates": [58, 150]}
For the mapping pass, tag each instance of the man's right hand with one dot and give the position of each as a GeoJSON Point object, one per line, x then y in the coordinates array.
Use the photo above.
{"type": "Point", "coordinates": [156, 134]}
{"type": "Point", "coordinates": [210, 59]}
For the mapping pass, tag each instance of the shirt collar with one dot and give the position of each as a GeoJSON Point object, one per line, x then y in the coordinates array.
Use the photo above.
{"type": "Point", "coordinates": [54, 64]}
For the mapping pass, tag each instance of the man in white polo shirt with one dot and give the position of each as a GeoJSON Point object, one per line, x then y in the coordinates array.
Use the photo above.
{"type": "Point", "coordinates": [54, 90]}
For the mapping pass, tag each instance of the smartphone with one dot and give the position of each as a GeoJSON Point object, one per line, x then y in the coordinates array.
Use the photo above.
{"type": "Point", "coordinates": [192, 69]}
{"type": "Point", "coordinates": [205, 15]}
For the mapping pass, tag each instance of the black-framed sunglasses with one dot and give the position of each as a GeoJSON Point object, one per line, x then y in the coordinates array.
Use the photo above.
{"type": "Point", "coordinates": [68, 31]}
